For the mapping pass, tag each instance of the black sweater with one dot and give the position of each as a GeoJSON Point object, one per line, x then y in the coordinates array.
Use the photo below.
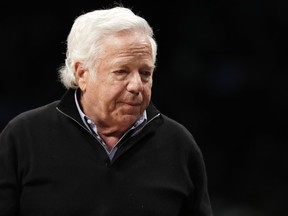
{"type": "Point", "coordinates": [51, 165]}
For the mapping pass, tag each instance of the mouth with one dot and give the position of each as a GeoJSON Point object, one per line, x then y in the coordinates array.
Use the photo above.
{"type": "Point", "coordinates": [132, 103]}
{"type": "Point", "coordinates": [131, 108]}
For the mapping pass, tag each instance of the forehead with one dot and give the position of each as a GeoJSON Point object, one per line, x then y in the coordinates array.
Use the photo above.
{"type": "Point", "coordinates": [126, 42]}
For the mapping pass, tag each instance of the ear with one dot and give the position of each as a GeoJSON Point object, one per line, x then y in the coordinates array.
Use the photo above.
{"type": "Point", "coordinates": [81, 75]}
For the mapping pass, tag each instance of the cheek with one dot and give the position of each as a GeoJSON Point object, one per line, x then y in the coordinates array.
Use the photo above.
{"type": "Point", "coordinates": [95, 91]}
{"type": "Point", "coordinates": [147, 93]}
{"type": "Point", "coordinates": [108, 92]}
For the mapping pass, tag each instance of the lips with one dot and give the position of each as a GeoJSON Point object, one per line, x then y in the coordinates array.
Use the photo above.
{"type": "Point", "coordinates": [132, 103]}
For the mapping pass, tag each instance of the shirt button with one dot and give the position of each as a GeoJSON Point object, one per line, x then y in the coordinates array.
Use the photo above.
{"type": "Point", "coordinates": [89, 121]}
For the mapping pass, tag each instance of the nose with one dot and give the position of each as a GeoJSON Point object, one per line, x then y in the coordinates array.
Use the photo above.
{"type": "Point", "coordinates": [135, 84]}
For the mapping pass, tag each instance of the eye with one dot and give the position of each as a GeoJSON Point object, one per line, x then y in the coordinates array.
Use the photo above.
{"type": "Point", "coordinates": [145, 75]}
{"type": "Point", "coordinates": [121, 72]}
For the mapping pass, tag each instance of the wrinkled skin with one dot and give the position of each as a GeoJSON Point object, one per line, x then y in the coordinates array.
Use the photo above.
{"type": "Point", "coordinates": [117, 95]}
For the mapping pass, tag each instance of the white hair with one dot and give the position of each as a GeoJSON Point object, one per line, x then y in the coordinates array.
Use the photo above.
{"type": "Point", "coordinates": [84, 39]}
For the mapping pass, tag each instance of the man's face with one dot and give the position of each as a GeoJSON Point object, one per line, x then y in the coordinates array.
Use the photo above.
{"type": "Point", "coordinates": [120, 90]}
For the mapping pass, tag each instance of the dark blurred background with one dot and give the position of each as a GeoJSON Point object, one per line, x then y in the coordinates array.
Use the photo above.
{"type": "Point", "coordinates": [222, 72]}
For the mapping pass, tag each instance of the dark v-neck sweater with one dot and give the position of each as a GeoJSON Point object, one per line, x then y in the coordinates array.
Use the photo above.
{"type": "Point", "coordinates": [52, 165]}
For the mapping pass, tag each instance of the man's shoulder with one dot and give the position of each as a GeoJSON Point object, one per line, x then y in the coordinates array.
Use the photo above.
{"type": "Point", "coordinates": [34, 113]}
